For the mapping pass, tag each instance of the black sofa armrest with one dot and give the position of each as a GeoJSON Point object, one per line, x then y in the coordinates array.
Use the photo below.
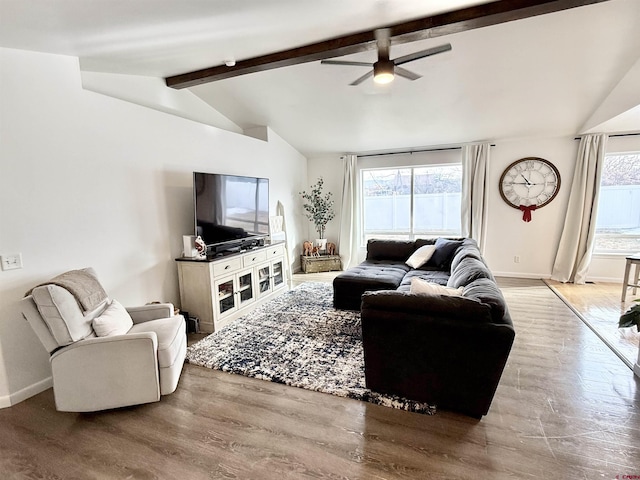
{"type": "Point", "coordinates": [446, 351]}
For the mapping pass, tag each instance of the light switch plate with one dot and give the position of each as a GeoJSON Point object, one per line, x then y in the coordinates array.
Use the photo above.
{"type": "Point", "coordinates": [11, 261]}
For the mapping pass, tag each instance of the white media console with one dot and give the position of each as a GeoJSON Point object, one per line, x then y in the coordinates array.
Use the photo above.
{"type": "Point", "coordinates": [220, 290]}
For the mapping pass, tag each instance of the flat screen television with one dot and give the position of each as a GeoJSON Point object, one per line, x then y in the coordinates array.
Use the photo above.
{"type": "Point", "coordinates": [231, 211]}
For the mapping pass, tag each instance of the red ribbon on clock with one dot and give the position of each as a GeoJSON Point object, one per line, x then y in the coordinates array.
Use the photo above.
{"type": "Point", "coordinates": [526, 212]}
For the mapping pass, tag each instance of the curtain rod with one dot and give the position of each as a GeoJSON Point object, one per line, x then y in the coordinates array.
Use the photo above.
{"type": "Point", "coordinates": [412, 151]}
{"type": "Point", "coordinates": [616, 135]}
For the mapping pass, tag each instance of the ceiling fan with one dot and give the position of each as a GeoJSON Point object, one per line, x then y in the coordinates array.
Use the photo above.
{"type": "Point", "coordinates": [384, 69]}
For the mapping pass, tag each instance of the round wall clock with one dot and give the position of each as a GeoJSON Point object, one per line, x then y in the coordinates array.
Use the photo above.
{"type": "Point", "coordinates": [528, 184]}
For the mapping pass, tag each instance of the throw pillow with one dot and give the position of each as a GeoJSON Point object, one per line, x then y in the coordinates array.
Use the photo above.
{"type": "Point", "coordinates": [445, 249]}
{"type": "Point", "coordinates": [420, 286]}
{"type": "Point", "coordinates": [421, 256]}
{"type": "Point", "coordinates": [115, 320]}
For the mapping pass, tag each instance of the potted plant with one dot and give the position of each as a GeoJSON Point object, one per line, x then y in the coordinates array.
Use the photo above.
{"type": "Point", "coordinates": [319, 209]}
{"type": "Point", "coordinates": [628, 319]}
{"type": "Point", "coordinates": [631, 317]}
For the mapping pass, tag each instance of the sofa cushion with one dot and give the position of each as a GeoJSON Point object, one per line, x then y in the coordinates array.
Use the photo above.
{"type": "Point", "coordinates": [421, 242]}
{"type": "Point", "coordinates": [421, 256]}
{"type": "Point", "coordinates": [62, 314]}
{"type": "Point", "coordinates": [486, 291]}
{"type": "Point", "coordinates": [433, 276]}
{"type": "Point", "coordinates": [169, 332]}
{"type": "Point", "coordinates": [469, 248]}
{"type": "Point", "coordinates": [392, 250]}
{"type": "Point", "coordinates": [463, 309]}
{"type": "Point", "coordinates": [468, 270]}
{"type": "Point", "coordinates": [422, 287]}
{"type": "Point", "coordinates": [115, 320]}
{"type": "Point", "coordinates": [443, 254]}
{"type": "Point", "coordinates": [379, 273]}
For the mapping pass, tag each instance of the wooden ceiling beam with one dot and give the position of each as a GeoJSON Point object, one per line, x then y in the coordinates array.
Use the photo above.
{"type": "Point", "coordinates": [457, 21]}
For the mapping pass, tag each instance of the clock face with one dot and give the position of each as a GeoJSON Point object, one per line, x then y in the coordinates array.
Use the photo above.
{"type": "Point", "coordinates": [529, 181]}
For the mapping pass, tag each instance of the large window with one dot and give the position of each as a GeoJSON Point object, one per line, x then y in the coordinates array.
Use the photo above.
{"type": "Point", "coordinates": [618, 223]}
{"type": "Point", "coordinates": [411, 202]}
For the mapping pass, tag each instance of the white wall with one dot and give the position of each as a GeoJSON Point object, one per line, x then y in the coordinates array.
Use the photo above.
{"type": "Point", "coordinates": [508, 236]}
{"type": "Point", "coordinates": [89, 180]}
{"type": "Point", "coordinates": [330, 169]}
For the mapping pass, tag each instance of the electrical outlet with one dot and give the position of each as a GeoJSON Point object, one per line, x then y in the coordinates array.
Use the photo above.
{"type": "Point", "coordinates": [516, 259]}
{"type": "Point", "coordinates": [11, 261]}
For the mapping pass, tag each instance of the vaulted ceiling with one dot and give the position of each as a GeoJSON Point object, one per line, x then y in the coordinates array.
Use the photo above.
{"type": "Point", "coordinates": [557, 74]}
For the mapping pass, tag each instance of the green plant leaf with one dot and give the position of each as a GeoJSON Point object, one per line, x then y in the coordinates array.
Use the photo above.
{"type": "Point", "coordinates": [630, 318]}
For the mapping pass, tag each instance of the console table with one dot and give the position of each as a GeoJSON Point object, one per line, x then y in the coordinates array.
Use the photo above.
{"type": "Point", "coordinates": [221, 289]}
{"type": "Point", "coordinates": [322, 263]}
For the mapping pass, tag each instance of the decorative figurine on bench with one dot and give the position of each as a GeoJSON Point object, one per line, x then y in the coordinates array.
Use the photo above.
{"type": "Point", "coordinates": [307, 249]}
{"type": "Point", "coordinates": [331, 248]}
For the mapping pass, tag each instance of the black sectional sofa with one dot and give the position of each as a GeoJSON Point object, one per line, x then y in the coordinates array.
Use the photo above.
{"type": "Point", "coordinates": [445, 350]}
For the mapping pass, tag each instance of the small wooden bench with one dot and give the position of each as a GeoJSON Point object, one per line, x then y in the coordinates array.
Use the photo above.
{"type": "Point", "coordinates": [322, 263]}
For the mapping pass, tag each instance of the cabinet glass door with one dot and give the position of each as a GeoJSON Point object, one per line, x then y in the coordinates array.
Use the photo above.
{"type": "Point", "coordinates": [245, 287]}
{"type": "Point", "coordinates": [264, 280]}
{"type": "Point", "coordinates": [278, 274]}
{"type": "Point", "coordinates": [226, 297]}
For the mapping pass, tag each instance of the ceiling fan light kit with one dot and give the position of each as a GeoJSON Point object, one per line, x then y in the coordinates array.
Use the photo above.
{"type": "Point", "coordinates": [383, 71]}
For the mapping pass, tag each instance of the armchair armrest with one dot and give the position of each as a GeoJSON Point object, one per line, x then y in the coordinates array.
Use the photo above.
{"type": "Point", "coordinates": [152, 311]}
{"type": "Point", "coordinates": [106, 372]}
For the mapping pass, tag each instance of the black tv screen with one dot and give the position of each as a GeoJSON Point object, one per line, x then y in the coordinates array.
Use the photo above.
{"type": "Point", "coordinates": [229, 208]}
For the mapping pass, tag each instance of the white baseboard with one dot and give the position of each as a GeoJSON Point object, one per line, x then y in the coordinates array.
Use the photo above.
{"type": "Point", "coordinates": [605, 280]}
{"type": "Point", "coordinates": [27, 392]}
{"type": "Point", "coordinates": [522, 275]}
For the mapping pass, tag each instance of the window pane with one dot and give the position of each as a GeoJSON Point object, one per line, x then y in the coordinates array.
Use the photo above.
{"type": "Point", "coordinates": [437, 199]}
{"type": "Point", "coordinates": [618, 223]}
{"type": "Point", "coordinates": [387, 200]}
{"type": "Point", "coordinates": [389, 211]}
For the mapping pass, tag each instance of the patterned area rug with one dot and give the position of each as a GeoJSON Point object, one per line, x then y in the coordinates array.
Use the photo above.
{"type": "Point", "coordinates": [300, 340]}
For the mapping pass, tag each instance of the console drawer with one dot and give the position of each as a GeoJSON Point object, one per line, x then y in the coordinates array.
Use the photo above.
{"type": "Point", "coordinates": [275, 251]}
{"type": "Point", "coordinates": [251, 259]}
{"type": "Point", "coordinates": [227, 266]}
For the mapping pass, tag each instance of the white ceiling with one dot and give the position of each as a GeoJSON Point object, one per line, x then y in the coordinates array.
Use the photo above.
{"type": "Point", "coordinates": [543, 76]}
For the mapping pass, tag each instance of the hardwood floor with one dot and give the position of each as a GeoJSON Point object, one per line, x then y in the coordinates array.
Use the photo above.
{"type": "Point", "coordinates": [566, 408]}
{"type": "Point", "coordinates": [599, 305]}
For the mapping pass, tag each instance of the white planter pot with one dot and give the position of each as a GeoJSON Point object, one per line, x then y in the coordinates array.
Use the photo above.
{"type": "Point", "coordinates": [321, 243]}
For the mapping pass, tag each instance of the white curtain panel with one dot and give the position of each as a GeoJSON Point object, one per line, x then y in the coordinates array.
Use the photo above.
{"type": "Point", "coordinates": [578, 236]}
{"type": "Point", "coordinates": [348, 239]}
{"type": "Point", "coordinates": [475, 161]}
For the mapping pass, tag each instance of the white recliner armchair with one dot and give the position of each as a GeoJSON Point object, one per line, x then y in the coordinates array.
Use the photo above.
{"type": "Point", "coordinates": [103, 356]}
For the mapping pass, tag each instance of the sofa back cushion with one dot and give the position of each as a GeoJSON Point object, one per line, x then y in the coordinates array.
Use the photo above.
{"type": "Point", "coordinates": [61, 313]}
{"type": "Point", "coordinates": [396, 250]}
{"type": "Point", "coordinates": [468, 270]}
{"type": "Point", "coordinates": [486, 291]}
{"type": "Point", "coordinates": [469, 248]}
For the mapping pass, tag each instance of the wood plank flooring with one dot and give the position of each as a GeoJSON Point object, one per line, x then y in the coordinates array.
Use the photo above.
{"type": "Point", "coordinates": [566, 408]}
{"type": "Point", "coordinates": [599, 305]}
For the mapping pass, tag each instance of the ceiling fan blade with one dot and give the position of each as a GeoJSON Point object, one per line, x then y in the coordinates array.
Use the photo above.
{"type": "Point", "coordinates": [423, 53]}
{"type": "Point", "coordinates": [383, 40]}
{"type": "Point", "coordinates": [409, 75]}
{"type": "Point", "coordinates": [362, 79]}
{"type": "Point", "coordinates": [340, 62]}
